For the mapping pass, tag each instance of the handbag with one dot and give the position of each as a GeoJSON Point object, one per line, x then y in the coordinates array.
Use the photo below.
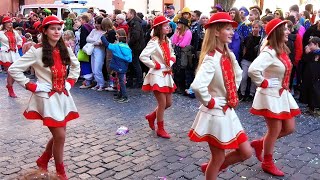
{"type": "Point", "coordinates": [88, 48]}
{"type": "Point", "coordinates": [82, 56]}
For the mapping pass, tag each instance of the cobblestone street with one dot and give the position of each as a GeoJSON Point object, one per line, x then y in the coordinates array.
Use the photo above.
{"type": "Point", "coordinates": [94, 151]}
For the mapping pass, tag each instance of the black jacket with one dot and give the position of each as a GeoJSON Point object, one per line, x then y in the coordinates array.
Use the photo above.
{"type": "Point", "coordinates": [136, 36]}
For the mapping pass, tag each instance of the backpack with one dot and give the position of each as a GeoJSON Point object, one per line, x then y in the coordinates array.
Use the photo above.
{"type": "Point", "coordinates": [290, 43]}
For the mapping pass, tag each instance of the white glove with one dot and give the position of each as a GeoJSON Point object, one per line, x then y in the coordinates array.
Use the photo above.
{"type": "Point", "coordinates": [171, 63]}
{"type": "Point", "coordinates": [273, 82]}
{"type": "Point", "coordinates": [67, 85]}
{"type": "Point", "coordinates": [43, 87]}
{"type": "Point", "coordinates": [162, 66]}
{"type": "Point", "coordinates": [219, 102]}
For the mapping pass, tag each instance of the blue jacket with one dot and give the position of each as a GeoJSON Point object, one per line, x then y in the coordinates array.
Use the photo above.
{"type": "Point", "coordinates": [122, 55]}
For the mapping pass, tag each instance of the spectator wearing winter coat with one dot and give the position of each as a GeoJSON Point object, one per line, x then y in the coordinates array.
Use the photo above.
{"type": "Point", "coordinates": [121, 58]}
{"type": "Point", "coordinates": [136, 43]}
{"type": "Point", "coordinates": [121, 23]}
{"type": "Point", "coordinates": [86, 70]}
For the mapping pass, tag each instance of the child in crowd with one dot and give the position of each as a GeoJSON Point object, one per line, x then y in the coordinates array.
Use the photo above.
{"type": "Point", "coordinates": [250, 52]}
{"type": "Point", "coordinates": [122, 56]}
{"type": "Point", "coordinates": [25, 48]}
{"type": "Point", "coordinates": [20, 32]}
{"type": "Point", "coordinates": [69, 39]}
{"type": "Point", "coordinates": [310, 90]}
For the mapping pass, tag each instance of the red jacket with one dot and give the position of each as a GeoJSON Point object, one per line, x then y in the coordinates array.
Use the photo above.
{"type": "Point", "coordinates": [298, 49]}
{"type": "Point", "coordinates": [123, 26]}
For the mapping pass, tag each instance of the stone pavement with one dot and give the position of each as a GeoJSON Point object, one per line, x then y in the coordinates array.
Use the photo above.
{"type": "Point", "coordinates": [93, 151]}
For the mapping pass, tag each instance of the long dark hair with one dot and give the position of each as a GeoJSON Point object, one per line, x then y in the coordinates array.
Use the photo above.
{"type": "Point", "coordinates": [47, 51]}
{"type": "Point", "coordinates": [158, 33]}
{"type": "Point", "coordinates": [275, 40]}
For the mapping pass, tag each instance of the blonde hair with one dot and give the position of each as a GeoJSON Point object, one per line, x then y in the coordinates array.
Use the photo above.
{"type": "Point", "coordinates": [72, 16]}
{"type": "Point", "coordinates": [106, 24]}
{"type": "Point", "coordinates": [69, 35]}
{"type": "Point", "coordinates": [210, 41]}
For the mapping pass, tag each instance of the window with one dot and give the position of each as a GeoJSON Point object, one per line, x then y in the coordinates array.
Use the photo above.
{"type": "Point", "coordinates": [64, 13]}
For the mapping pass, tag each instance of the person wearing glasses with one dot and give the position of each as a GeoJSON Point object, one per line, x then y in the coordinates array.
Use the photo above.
{"type": "Point", "coordinates": [278, 14]}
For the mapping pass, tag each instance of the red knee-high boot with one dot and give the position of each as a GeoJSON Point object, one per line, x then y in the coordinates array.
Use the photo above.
{"type": "Point", "coordinates": [61, 172]}
{"type": "Point", "coordinates": [43, 160]}
{"type": "Point", "coordinates": [11, 92]}
{"type": "Point", "coordinates": [258, 147]}
{"type": "Point", "coordinates": [151, 118]}
{"type": "Point", "coordinates": [161, 132]}
{"type": "Point", "coordinates": [205, 165]}
{"type": "Point", "coordinates": [268, 166]}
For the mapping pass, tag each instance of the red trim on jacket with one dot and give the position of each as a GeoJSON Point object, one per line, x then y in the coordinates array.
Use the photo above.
{"type": "Point", "coordinates": [211, 104]}
{"type": "Point", "coordinates": [11, 40]}
{"type": "Point", "coordinates": [72, 82]}
{"type": "Point", "coordinates": [5, 64]}
{"type": "Point", "coordinates": [157, 65]}
{"type": "Point", "coordinates": [234, 143]}
{"type": "Point", "coordinates": [48, 121]}
{"type": "Point", "coordinates": [156, 87]}
{"type": "Point", "coordinates": [31, 86]}
{"type": "Point", "coordinates": [269, 114]}
{"type": "Point", "coordinates": [264, 84]}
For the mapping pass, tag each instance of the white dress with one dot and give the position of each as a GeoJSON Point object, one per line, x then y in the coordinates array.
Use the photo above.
{"type": "Point", "coordinates": [158, 79]}
{"type": "Point", "coordinates": [7, 55]}
{"type": "Point", "coordinates": [220, 129]}
{"type": "Point", "coordinates": [56, 108]}
{"type": "Point", "coordinates": [277, 102]}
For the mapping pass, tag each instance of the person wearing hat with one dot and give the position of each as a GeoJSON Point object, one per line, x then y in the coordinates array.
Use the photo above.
{"type": "Point", "coordinates": [271, 71]}
{"type": "Point", "coordinates": [159, 56]}
{"type": "Point", "coordinates": [51, 100]}
{"type": "Point", "coordinates": [185, 13]}
{"type": "Point", "coordinates": [10, 43]}
{"type": "Point", "coordinates": [181, 40]}
{"type": "Point", "coordinates": [243, 14]}
{"type": "Point", "coordinates": [121, 23]}
{"type": "Point", "coordinates": [257, 8]}
{"type": "Point", "coordinates": [215, 85]}
{"type": "Point", "coordinates": [246, 28]}
{"type": "Point", "coordinates": [170, 12]}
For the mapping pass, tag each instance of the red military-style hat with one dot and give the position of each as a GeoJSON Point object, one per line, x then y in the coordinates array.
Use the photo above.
{"type": "Point", "coordinates": [273, 24]}
{"type": "Point", "coordinates": [160, 20]}
{"type": "Point", "coordinates": [6, 19]}
{"type": "Point", "coordinates": [50, 20]}
{"type": "Point", "coordinates": [36, 25]}
{"type": "Point", "coordinates": [221, 17]}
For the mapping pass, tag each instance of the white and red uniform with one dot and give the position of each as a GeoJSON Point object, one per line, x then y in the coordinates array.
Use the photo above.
{"type": "Point", "coordinates": [10, 43]}
{"type": "Point", "coordinates": [57, 107]}
{"type": "Point", "coordinates": [159, 77]}
{"type": "Point", "coordinates": [218, 76]}
{"type": "Point", "coordinates": [275, 102]}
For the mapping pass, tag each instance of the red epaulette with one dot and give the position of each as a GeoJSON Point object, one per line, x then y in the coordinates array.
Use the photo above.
{"type": "Point", "coordinates": [38, 45]}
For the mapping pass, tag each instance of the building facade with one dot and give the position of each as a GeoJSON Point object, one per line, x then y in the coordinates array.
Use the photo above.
{"type": "Point", "coordinates": [13, 6]}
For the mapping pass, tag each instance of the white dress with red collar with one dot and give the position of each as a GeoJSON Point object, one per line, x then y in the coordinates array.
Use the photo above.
{"type": "Point", "coordinates": [57, 107]}
{"type": "Point", "coordinates": [10, 42]}
{"type": "Point", "coordinates": [218, 76]}
{"type": "Point", "coordinates": [159, 57]}
{"type": "Point", "coordinates": [276, 102]}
